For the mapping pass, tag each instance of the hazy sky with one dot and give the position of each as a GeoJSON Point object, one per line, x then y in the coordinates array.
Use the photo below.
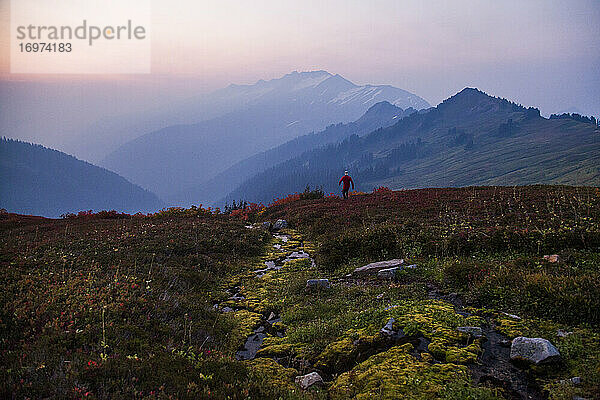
{"type": "Point", "coordinates": [544, 53]}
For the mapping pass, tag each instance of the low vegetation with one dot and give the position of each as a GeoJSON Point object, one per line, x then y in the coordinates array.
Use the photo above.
{"type": "Point", "coordinates": [117, 306]}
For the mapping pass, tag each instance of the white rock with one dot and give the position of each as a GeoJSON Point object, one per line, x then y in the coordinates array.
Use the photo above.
{"type": "Point", "coordinates": [374, 268]}
{"type": "Point", "coordinates": [534, 350]}
{"type": "Point", "coordinates": [306, 381]}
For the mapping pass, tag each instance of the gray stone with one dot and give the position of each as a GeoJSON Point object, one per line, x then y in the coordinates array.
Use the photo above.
{"type": "Point", "coordinates": [563, 333]}
{"type": "Point", "coordinates": [534, 350]}
{"type": "Point", "coordinates": [266, 225]}
{"type": "Point", "coordinates": [388, 329]}
{"type": "Point", "coordinates": [474, 331]}
{"type": "Point", "coordinates": [280, 224]}
{"type": "Point", "coordinates": [389, 273]}
{"type": "Point", "coordinates": [226, 309]}
{"type": "Point", "coordinates": [308, 380]}
{"type": "Point", "coordinates": [318, 284]}
{"type": "Point", "coordinates": [512, 316]}
{"type": "Point", "coordinates": [576, 380]}
{"type": "Point", "coordinates": [374, 268]}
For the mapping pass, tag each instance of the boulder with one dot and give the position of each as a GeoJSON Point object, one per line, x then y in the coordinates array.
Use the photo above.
{"type": "Point", "coordinates": [374, 268]}
{"type": "Point", "coordinates": [534, 350]}
{"type": "Point", "coordinates": [280, 224]}
{"type": "Point", "coordinates": [318, 284]}
{"type": "Point", "coordinates": [473, 331]}
{"type": "Point", "coordinates": [308, 380]}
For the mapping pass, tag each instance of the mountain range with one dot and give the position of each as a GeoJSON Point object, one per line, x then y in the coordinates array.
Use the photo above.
{"type": "Point", "coordinates": [41, 181]}
{"type": "Point", "coordinates": [263, 115]}
{"type": "Point", "coordinates": [469, 139]}
{"type": "Point", "coordinates": [380, 115]}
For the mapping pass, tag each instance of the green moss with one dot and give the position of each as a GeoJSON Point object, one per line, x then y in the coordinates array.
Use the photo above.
{"type": "Point", "coordinates": [397, 374]}
{"type": "Point", "coordinates": [273, 375]}
{"type": "Point", "coordinates": [465, 355]}
{"type": "Point", "coordinates": [245, 322]}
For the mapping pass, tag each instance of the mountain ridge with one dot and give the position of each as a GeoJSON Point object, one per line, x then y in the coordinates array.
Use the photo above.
{"type": "Point", "coordinates": [268, 114]}
{"type": "Point", "coordinates": [44, 181]}
{"type": "Point", "coordinates": [379, 115]}
{"type": "Point", "coordinates": [470, 138]}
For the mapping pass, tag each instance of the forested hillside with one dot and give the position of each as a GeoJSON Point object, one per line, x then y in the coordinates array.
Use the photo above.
{"type": "Point", "coordinates": [469, 139]}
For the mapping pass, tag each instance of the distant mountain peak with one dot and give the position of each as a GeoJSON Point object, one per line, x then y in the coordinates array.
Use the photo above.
{"type": "Point", "coordinates": [382, 106]}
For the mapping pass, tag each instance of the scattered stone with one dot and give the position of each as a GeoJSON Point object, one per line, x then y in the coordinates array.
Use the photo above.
{"type": "Point", "coordinates": [576, 380]}
{"type": "Point", "coordinates": [380, 296]}
{"type": "Point", "coordinates": [226, 309]}
{"type": "Point", "coordinates": [504, 343]}
{"type": "Point", "coordinates": [266, 225]}
{"type": "Point", "coordinates": [308, 380]}
{"type": "Point", "coordinates": [388, 329]}
{"type": "Point", "coordinates": [534, 350]}
{"type": "Point", "coordinates": [563, 333]}
{"type": "Point", "coordinates": [473, 331]}
{"type": "Point", "coordinates": [272, 316]}
{"type": "Point", "coordinates": [513, 316]}
{"type": "Point", "coordinates": [318, 284]}
{"type": "Point", "coordinates": [280, 224]}
{"type": "Point", "coordinates": [554, 258]}
{"type": "Point", "coordinates": [374, 268]}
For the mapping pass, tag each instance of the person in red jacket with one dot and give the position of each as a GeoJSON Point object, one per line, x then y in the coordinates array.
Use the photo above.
{"type": "Point", "coordinates": [347, 181]}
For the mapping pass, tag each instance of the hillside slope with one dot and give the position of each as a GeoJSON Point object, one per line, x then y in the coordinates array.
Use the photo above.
{"type": "Point", "coordinates": [469, 139]}
{"type": "Point", "coordinates": [194, 304]}
{"type": "Point", "coordinates": [266, 114]}
{"type": "Point", "coordinates": [42, 181]}
{"type": "Point", "coordinates": [380, 115]}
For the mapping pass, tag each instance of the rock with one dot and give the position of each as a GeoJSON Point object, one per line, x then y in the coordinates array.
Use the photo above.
{"type": "Point", "coordinates": [308, 380]}
{"type": "Point", "coordinates": [554, 258]}
{"type": "Point", "coordinates": [226, 309]}
{"type": "Point", "coordinates": [576, 380]}
{"type": "Point", "coordinates": [280, 224]}
{"type": "Point", "coordinates": [388, 329]}
{"type": "Point", "coordinates": [512, 316]}
{"type": "Point", "coordinates": [318, 284]}
{"type": "Point", "coordinates": [563, 333]}
{"type": "Point", "coordinates": [534, 350]}
{"type": "Point", "coordinates": [388, 273]}
{"type": "Point", "coordinates": [374, 268]}
{"type": "Point", "coordinates": [504, 343]}
{"type": "Point", "coordinates": [266, 225]}
{"type": "Point", "coordinates": [474, 331]}
{"type": "Point", "coordinates": [272, 316]}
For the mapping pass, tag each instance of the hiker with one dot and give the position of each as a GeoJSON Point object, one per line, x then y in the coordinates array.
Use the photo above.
{"type": "Point", "coordinates": [347, 181]}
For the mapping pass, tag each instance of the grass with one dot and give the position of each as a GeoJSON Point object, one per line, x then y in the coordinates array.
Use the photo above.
{"type": "Point", "coordinates": [119, 306]}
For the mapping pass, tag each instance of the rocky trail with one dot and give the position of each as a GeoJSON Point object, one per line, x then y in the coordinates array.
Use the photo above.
{"type": "Point", "coordinates": [493, 367]}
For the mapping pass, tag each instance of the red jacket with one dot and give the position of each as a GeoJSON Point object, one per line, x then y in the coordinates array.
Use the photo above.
{"type": "Point", "coordinates": [347, 181]}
